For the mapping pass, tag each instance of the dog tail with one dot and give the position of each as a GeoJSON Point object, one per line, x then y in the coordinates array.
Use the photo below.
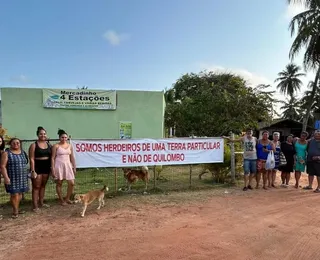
{"type": "Point", "coordinates": [105, 188]}
{"type": "Point", "coordinates": [144, 169]}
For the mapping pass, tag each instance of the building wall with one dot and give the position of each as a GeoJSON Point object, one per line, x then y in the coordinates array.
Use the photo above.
{"type": "Point", "coordinates": [22, 113]}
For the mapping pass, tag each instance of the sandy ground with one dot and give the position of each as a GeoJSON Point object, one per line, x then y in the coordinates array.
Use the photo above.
{"type": "Point", "coordinates": [217, 224]}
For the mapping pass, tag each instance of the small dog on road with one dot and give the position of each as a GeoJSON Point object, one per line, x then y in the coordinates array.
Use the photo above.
{"type": "Point", "coordinates": [89, 197]}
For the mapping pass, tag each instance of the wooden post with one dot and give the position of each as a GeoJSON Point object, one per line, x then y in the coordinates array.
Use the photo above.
{"type": "Point", "coordinates": [116, 180]}
{"type": "Point", "coordinates": [154, 178]}
{"type": "Point", "coordinates": [233, 161]}
{"type": "Point", "coordinates": [190, 170]}
{"type": "Point", "coordinates": [190, 176]}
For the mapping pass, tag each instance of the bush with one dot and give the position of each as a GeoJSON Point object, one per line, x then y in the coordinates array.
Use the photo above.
{"type": "Point", "coordinates": [221, 172]}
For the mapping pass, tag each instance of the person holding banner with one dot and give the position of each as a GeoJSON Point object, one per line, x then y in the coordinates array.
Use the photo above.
{"type": "Point", "coordinates": [63, 166]}
{"type": "Point", "coordinates": [14, 170]}
{"type": "Point", "coordinates": [40, 166]}
{"type": "Point", "coordinates": [249, 157]}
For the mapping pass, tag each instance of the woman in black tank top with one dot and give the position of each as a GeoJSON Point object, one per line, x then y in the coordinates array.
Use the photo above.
{"type": "Point", "coordinates": [40, 165]}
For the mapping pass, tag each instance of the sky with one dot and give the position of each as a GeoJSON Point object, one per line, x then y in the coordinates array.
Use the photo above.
{"type": "Point", "coordinates": [141, 44]}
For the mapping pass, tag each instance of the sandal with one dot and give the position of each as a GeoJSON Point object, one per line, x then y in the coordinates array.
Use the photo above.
{"type": "Point", "coordinates": [21, 212]}
{"type": "Point", "coordinates": [307, 188]}
{"type": "Point", "coordinates": [45, 206]}
{"type": "Point", "coordinates": [14, 216]}
{"type": "Point", "coordinates": [36, 210]}
{"type": "Point", "coordinates": [317, 191]}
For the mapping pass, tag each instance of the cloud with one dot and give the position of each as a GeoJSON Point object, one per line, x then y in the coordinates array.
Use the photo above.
{"type": "Point", "coordinates": [115, 38]}
{"type": "Point", "coordinates": [252, 79]}
{"type": "Point", "coordinates": [294, 9]}
{"type": "Point", "coordinates": [20, 79]}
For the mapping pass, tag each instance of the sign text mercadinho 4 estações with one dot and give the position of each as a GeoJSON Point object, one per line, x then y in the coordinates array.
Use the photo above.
{"type": "Point", "coordinates": [82, 99]}
{"type": "Point", "coordinates": [83, 96]}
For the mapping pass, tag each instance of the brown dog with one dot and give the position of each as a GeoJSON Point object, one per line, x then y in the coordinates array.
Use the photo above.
{"type": "Point", "coordinates": [89, 197]}
{"type": "Point", "coordinates": [132, 175]}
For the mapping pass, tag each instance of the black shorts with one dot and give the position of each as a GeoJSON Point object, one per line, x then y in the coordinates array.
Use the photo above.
{"type": "Point", "coordinates": [313, 168]}
{"type": "Point", "coordinates": [42, 166]}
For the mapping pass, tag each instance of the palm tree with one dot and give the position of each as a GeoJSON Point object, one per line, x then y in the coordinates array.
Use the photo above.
{"type": "Point", "coordinates": [267, 96]}
{"type": "Point", "coordinates": [311, 99]}
{"type": "Point", "coordinates": [289, 82]}
{"type": "Point", "coordinates": [307, 28]}
{"type": "Point", "coordinates": [291, 109]}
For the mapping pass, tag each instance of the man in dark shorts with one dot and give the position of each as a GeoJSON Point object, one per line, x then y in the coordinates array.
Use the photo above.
{"type": "Point", "coordinates": [313, 159]}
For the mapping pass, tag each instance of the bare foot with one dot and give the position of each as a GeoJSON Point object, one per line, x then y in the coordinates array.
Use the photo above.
{"type": "Point", "coordinates": [265, 188]}
{"type": "Point", "coordinates": [63, 203]}
{"type": "Point", "coordinates": [44, 205]}
{"type": "Point", "coordinates": [296, 186]}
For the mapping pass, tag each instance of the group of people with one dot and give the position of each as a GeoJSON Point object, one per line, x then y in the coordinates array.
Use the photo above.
{"type": "Point", "coordinates": [58, 161]}
{"type": "Point", "coordinates": [301, 154]}
{"type": "Point", "coordinates": [44, 160]}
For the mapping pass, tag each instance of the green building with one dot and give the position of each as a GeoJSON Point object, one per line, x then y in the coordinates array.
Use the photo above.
{"type": "Point", "coordinates": [135, 114]}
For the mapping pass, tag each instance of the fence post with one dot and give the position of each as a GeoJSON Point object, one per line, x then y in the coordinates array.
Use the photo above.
{"type": "Point", "coordinates": [116, 180]}
{"type": "Point", "coordinates": [190, 176]}
{"type": "Point", "coordinates": [233, 161]}
{"type": "Point", "coordinates": [190, 170]}
{"type": "Point", "coordinates": [154, 178]}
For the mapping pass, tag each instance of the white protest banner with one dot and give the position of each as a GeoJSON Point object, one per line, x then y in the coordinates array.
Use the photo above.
{"type": "Point", "coordinates": [147, 152]}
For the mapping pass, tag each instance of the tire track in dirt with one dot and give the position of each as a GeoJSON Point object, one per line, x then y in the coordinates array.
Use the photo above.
{"type": "Point", "coordinates": [257, 225]}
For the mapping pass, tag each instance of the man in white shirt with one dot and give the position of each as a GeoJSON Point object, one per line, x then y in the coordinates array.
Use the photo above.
{"type": "Point", "coordinates": [249, 157]}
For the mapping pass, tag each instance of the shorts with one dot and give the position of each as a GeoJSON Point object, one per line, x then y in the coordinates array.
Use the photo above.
{"type": "Point", "coordinates": [42, 166]}
{"type": "Point", "coordinates": [261, 165]}
{"type": "Point", "coordinates": [249, 166]}
{"type": "Point", "coordinates": [313, 168]}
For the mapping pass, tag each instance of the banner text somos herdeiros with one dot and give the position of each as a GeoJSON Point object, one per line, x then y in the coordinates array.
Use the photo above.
{"type": "Point", "coordinates": [151, 152]}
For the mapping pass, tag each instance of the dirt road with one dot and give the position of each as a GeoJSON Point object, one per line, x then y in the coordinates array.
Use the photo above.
{"type": "Point", "coordinates": [226, 224]}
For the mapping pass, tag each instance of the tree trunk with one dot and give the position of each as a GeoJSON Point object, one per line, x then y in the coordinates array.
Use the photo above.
{"type": "Point", "coordinates": [313, 92]}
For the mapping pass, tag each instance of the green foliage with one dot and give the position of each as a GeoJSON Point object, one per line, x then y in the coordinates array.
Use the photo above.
{"type": "Point", "coordinates": [292, 108]}
{"type": "Point", "coordinates": [211, 104]}
{"type": "Point", "coordinates": [221, 171]}
{"type": "Point", "coordinates": [305, 27]}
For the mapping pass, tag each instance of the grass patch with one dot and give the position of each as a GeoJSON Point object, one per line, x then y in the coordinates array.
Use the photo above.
{"type": "Point", "coordinates": [172, 178]}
